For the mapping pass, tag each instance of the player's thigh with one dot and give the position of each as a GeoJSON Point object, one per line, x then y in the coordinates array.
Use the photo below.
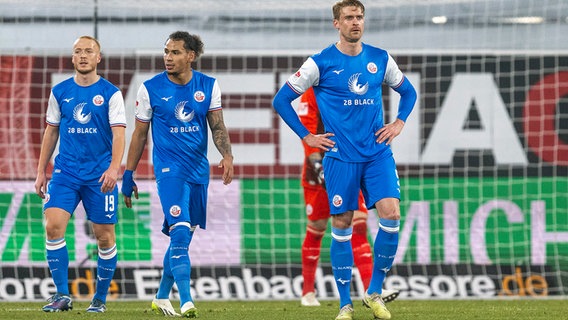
{"type": "Point", "coordinates": [317, 205]}
{"type": "Point", "coordinates": [342, 180]}
{"type": "Point", "coordinates": [174, 198]}
{"type": "Point", "coordinates": [100, 207]}
{"type": "Point", "coordinates": [62, 195]}
{"type": "Point", "coordinates": [380, 181]}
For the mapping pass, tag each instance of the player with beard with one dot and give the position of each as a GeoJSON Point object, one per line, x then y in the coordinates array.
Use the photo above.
{"type": "Point", "coordinates": [86, 114]}
{"type": "Point", "coordinates": [317, 213]}
{"type": "Point", "coordinates": [347, 78]}
{"type": "Point", "coordinates": [179, 104]}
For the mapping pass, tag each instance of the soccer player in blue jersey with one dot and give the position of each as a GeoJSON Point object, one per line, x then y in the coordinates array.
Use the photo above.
{"type": "Point", "coordinates": [179, 103]}
{"type": "Point", "coordinates": [347, 78]}
{"type": "Point", "coordinates": [86, 114]}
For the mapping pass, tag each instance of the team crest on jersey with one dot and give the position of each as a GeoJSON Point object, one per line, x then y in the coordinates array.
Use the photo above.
{"type": "Point", "coordinates": [78, 114]}
{"type": "Point", "coordinates": [181, 115]}
{"type": "Point", "coordinates": [98, 100]}
{"type": "Point", "coordinates": [337, 201]}
{"type": "Point", "coordinates": [298, 74]}
{"type": "Point", "coordinates": [199, 96]}
{"type": "Point", "coordinates": [355, 87]}
{"type": "Point", "coordinates": [309, 210]}
{"type": "Point", "coordinates": [372, 67]}
{"type": "Point", "coordinates": [175, 211]}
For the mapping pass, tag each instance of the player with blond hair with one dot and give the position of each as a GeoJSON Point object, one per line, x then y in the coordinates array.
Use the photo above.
{"type": "Point", "coordinates": [347, 78]}
{"type": "Point", "coordinates": [86, 114]}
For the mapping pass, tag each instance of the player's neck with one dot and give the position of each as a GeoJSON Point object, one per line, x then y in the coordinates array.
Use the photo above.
{"type": "Point", "coordinates": [86, 79]}
{"type": "Point", "coordinates": [349, 48]}
{"type": "Point", "coordinates": [182, 78]}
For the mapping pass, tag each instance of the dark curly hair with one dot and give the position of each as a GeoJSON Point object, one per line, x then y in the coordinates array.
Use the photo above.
{"type": "Point", "coordinates": [191, 42]}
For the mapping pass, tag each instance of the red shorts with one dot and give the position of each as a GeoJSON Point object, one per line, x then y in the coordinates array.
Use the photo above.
{"type": "Point", "coordinates": [317, 203]}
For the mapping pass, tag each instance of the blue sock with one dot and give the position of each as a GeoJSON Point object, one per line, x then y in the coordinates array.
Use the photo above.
{"type": "Point", "coordinates": [58, 262]}
{"type": "Point", "coordinates": [106, 264]}
{"type": "Point", "coordinates": [342, 263]}
{"type": "Point", "coordinates": [180, 237]}
{"type": "Point", "coordinates": [167, 280]}
{"type": "Point", "coordinates": [386, 244]}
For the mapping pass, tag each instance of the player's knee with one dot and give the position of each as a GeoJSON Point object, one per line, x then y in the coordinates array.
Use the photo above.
{"type": "Point", "coordinates": [342, 221]}
{"type": "Point", "coordinates": [106, 237]}
{"type": "Point", "coordinates": [318, 225]}
{"type": "Point", "coordinates": [54, 230]}
{"type": "Point", "coordinates": [54, 233]}
{"type": "Point", "coordinates": [391, 215]}
{"type": "Point", "coordinates": [388, 208]}
{"type": "Point", "coordinates": [105, 242]}
{"type": "Point", "coordinates": [55, 227]}
{"type": "Point", "coordinates": [389, 212]}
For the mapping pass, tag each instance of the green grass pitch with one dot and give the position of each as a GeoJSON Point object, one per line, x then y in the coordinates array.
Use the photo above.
{"type": "Point", "coordinates": [252, 310]}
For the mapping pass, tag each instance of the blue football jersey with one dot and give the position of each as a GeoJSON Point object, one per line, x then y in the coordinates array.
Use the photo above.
{"type": "Point", "coordinates": [178, 115]}
{"type": "Point", "coordinates": [85, 117]}
{"type": "Point", "coordinates": [348, 91]}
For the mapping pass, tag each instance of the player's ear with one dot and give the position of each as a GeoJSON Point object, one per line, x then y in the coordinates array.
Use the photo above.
{"type": "Point", "coordinates": [336, 24]}
{"type": "Point", "coordinates": [190, 56]}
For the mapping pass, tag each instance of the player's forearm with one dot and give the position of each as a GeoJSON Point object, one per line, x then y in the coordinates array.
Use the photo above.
{"type": "Point", "coordinates": [407, 99]}
{"type": "Point", "coordinates": [222, 143]}
{"type": "Point", "coordinates": [283, 105]}
{"type": "Point", "coordinates": [221, 139]}
{"type": "Point", "coordinates": [50, 137]}
{"type": "Point", "coordinates": [135, 151]}
{"type": "Point", "coordinates": [118, 143]}
{"type": "Point", "coordinates": [219, 133]}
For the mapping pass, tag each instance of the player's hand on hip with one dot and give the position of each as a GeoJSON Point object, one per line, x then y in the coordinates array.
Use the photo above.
{"type": "Point", "coordinates": [389, 131]}
{"type": "Point", "coordinates": [128, 187]}
{"type": "Point", "coordinates": [320, 141]}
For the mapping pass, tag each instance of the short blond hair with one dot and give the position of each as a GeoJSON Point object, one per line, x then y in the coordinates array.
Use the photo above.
{"type": "Point", "coordinates": [90, 38]}
{"type": "Point", "coordinates": [346, 3]}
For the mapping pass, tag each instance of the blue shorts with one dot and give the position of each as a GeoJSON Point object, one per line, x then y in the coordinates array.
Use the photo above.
{"type": "Point", "coordinates": [101, 208]}
{"type": "Point", "coordinates": [182, 201]}
{"type": "Point", "coordinates": [377, 179]}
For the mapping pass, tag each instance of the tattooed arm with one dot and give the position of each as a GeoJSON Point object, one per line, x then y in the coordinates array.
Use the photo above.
{"type": "Point", "coordinates": [222, 142]}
